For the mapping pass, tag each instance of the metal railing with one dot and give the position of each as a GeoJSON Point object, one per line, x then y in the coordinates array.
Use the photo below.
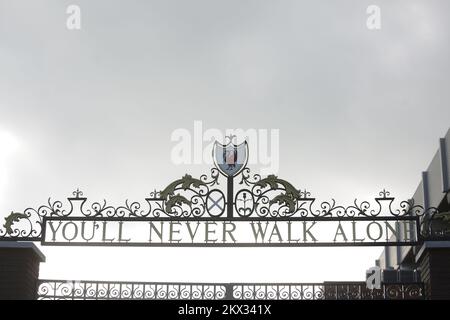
{"type": "Point", "coordinates": [106, 290]}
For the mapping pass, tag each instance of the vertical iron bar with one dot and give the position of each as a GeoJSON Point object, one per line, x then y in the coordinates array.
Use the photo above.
{"type": "Point", "coordinates": [230, 197]}
{"type": "Point", "coordinates": [73, 290]}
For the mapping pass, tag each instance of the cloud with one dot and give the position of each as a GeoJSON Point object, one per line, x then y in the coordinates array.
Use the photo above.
{"type": "Point", "coordinates": [357, 109]}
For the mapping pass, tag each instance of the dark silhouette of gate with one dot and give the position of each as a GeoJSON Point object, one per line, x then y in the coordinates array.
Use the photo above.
{"type": "Point", "coordinates": [234, 197]}
{"type": "Point", "coordinates": [104, 290]}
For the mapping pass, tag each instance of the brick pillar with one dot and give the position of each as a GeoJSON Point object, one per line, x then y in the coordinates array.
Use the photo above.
{"type": "Point", "coordinates": [433, 259]}
{"type": "Point", "coordinates": [19, 270]}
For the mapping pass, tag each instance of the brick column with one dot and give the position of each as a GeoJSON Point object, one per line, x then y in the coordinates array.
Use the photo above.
{"type": "Point", "coordinates": [433, 260]}
{"type": "Point", "coordinates": [19, 270]}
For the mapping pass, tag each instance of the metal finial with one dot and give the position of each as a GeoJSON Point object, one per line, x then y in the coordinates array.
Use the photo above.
{"type": "Point", "coordinates": [78, 193]}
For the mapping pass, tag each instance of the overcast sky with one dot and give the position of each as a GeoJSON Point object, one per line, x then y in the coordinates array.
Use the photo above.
{"type": "Point", "coordinates": [358, 110]}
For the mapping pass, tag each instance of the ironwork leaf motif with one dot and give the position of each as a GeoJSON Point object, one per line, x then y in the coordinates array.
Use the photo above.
{"type": "Point", "coordinates": [290, 195]}
{"type": "Point", "coordinates": [176, 200]}
{"type": "Point", "coordinates": [272, 181]}
{"type": "Point", "coordinates": [186, 183]}
{"type": "Point", "coordinates": [284, 198]}
{"type": "Point", "coordinates": [13, 217]}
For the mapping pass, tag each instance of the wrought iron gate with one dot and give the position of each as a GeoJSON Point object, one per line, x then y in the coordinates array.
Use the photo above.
{"type": "Point", "coordinates": [104, 290]}
{"type": "Point", "coordinates": [230, 198]}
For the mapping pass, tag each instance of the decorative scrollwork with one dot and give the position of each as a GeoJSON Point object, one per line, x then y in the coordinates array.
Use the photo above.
{"type": "Point", "coordinates": [435, 224]}
{"type": "Point", "coordinates": [29, 223]}
{"type": "Point", "coordinates": [274, 197]}
{"type": "Point", "coordinates": [252, 197]}
{"type": "Point", "coordinates": [99, 290]}
{"type": "Point", "coordinates": [326, 291]}
{"type": "Point", "coordinates": [187, 196]}
{"type": "Point", "coordinates": [96, 290]}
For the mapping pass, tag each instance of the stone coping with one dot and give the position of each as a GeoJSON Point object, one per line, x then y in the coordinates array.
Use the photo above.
{"type": "Point", "coordinates": [23, 245]}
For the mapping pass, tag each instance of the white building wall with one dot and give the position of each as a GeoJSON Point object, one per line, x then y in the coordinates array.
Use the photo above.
{"type": "Point", "coordinates": [431, 191]}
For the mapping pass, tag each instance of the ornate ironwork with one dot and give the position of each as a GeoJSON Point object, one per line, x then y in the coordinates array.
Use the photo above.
{"type": "Point", "coordinates": [275, 197]}
{"type": "Point", "coordinates": [244, 195]}
{"type": "Point", "coordinates": [326, 291]}
{"type": "Point", "coordinates": [436, 225]}
{"type": "Point", "coordinates": [103, 290]}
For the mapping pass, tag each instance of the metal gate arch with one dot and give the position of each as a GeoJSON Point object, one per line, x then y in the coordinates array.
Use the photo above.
{"type": "Point", "coordinates": [237, 197]}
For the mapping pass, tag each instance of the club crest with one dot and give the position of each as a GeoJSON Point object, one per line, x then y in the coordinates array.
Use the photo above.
{"type": "Point", "coordinates": [230, 158]}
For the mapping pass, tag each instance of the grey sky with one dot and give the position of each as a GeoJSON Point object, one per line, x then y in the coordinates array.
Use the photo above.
{"type": "Point", "coordinates": [358, 110]}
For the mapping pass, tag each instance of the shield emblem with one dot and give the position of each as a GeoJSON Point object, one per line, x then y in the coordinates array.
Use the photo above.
{"type": "Point", "coordinates": [229, 158]}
